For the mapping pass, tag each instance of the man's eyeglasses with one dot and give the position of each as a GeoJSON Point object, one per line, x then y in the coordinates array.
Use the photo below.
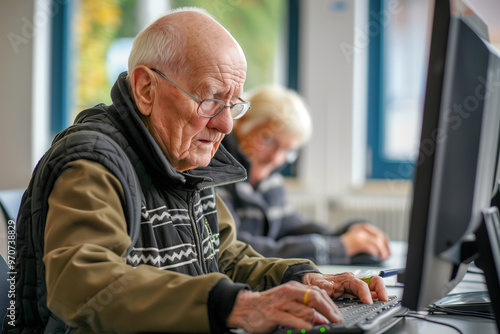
{"type": "Point", "coordinates": [212, 107]}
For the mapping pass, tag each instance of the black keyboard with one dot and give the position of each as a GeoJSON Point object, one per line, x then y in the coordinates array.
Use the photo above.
{"type": "Point", "coordinates": [358, 318]}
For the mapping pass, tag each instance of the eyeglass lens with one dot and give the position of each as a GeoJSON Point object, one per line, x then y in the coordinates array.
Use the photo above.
{"type": "Point", "coordinates": [211, 107]}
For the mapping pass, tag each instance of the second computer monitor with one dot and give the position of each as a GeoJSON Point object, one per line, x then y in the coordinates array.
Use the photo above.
{"type": "Point", "coordinates": [455, 169]}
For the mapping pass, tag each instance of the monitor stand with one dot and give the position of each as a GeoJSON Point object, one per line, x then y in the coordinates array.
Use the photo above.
{"type": "Point", "coordinates": [488, 246]}
{"type": "Point", "coordinates": [475, 301]}
{"type": "Point", "coordinates": [485, 250]}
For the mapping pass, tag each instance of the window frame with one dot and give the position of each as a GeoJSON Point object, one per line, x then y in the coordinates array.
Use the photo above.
{"type": "Point", "coordinates": [61, 74]}
{"type": "Point", "coordinates": [379, 167]}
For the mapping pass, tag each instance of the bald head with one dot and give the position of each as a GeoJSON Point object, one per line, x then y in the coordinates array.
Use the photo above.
{"type": "Point", "coordinates": [179, 41]}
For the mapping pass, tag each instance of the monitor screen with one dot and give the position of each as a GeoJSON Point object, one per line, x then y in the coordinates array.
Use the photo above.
{"type": "Point", "coordinates": [457, 163]}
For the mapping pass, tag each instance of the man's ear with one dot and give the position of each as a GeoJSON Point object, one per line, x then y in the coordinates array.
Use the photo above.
{"type": "Point", "coordinates": [143, 89]}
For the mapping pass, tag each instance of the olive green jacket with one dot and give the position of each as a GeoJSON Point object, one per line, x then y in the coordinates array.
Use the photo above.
{"type": "Point", "coordinates": [90, 285]}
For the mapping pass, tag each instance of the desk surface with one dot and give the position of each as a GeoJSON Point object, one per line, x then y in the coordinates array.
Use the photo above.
{"type": "Point", "coordinates": [412, 325]}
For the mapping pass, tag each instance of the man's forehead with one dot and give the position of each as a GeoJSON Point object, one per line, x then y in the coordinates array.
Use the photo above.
{"type": "Point", "coordinates": [219, 80]}
{"type": "Point", "coordinates": [221, 89]}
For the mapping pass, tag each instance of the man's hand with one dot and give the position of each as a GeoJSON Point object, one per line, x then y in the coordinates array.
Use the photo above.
{"type": "Point", "coordinates": [366, 238]}
{"type": "Point", "coordinates": [259, 312]}
{"type": "Point", "coordinates": [346, 284]}
{"type": "Point", "coordinates": [287, 305]}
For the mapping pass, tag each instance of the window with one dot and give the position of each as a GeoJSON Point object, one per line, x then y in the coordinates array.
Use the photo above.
{"type": "Point", "coordinates": [93, 40]}
{"type": "Point", "coordinates": [102, 35]}
{"type": "Point", "coordinates": [259, 27]}
{"type": "Point", "coordinates": [397, 71]}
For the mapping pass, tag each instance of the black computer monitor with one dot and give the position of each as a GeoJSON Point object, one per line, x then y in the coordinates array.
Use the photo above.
{"type": "Point", "coordinates": [450, 223]}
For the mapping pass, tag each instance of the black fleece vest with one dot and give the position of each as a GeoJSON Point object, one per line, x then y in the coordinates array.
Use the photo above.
{"type": "Point", "coordinates": [163, 207]}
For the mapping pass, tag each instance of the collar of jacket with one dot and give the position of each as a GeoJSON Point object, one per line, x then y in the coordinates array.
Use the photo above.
{"type": "Point", "coordinates": [230, 142]}
{"type": "Point", "coordinates": [123, 113]}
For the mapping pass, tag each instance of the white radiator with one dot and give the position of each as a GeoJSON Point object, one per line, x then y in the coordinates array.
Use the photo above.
{"type": "Point", "coordinates": [388, 212]}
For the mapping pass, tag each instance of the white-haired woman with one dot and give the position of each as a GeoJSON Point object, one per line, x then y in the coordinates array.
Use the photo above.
{"type": "Point", "coordinates": [263, 140]}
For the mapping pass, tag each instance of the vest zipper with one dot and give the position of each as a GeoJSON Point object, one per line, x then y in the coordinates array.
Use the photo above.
{"type": "Point", "coordinates": [199, 246]}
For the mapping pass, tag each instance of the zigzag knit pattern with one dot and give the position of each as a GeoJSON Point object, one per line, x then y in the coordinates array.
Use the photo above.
{"type": "Point", "coordinates": [158, 222]}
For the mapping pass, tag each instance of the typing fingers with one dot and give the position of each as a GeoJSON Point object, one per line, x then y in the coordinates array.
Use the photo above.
{"type": "Point", "coordinates": [290, 318]}
{"type": "Point", "coordinates": [342, 284]}
{"type": "Point", "coordinates": [377, 288]}
{"type": "Point", "coordinates": [292, 305]}
{"type": "Point", "coordinates": [319, 300]}
{"type": "Point", "coordinates": [373, 288]}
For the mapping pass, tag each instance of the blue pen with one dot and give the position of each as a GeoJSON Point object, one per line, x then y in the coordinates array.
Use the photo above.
{"type": "Point", "coordinates": [390, 272]}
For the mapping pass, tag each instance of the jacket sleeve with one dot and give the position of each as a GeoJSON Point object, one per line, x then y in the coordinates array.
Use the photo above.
{"type": "Point", "coordinates": [320, 249]}
{"type": "Point", "coordinates": [243, 264]}
{"type": "Point", "coordinates": [297, 239]}
{"type": "Point", "coordinates": [89, 283]}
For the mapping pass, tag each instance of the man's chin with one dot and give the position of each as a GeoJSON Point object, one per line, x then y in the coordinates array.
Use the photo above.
{"type": "Point", "coordinates": [184, 165]}
{"type": "Point", "coordinates": [203, 162]}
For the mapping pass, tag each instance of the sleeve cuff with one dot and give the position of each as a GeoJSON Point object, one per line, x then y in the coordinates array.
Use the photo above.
{"type": "Point", "coordinates": [296, 271]}
{"type": "Point", "coordinates": [220, 303]}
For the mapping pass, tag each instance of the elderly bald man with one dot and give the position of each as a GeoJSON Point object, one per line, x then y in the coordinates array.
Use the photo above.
{"type": "Point", "coordinates": [120, 229]}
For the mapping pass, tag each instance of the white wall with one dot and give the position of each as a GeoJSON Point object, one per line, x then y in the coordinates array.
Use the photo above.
{"type": "Point", "coordinates": [333, 82]}
{"type": "Point", "coordinates": [24, 84]}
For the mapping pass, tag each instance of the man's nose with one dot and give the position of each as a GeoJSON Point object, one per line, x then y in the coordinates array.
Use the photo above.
{"type": "Point", "coordinates": [223, 122]}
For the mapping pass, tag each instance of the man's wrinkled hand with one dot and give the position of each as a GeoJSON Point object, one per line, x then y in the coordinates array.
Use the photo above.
{"type": "Point", "coordinates": [347, 284]}
{"type": "Point", "coordinates": [289, 305]}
